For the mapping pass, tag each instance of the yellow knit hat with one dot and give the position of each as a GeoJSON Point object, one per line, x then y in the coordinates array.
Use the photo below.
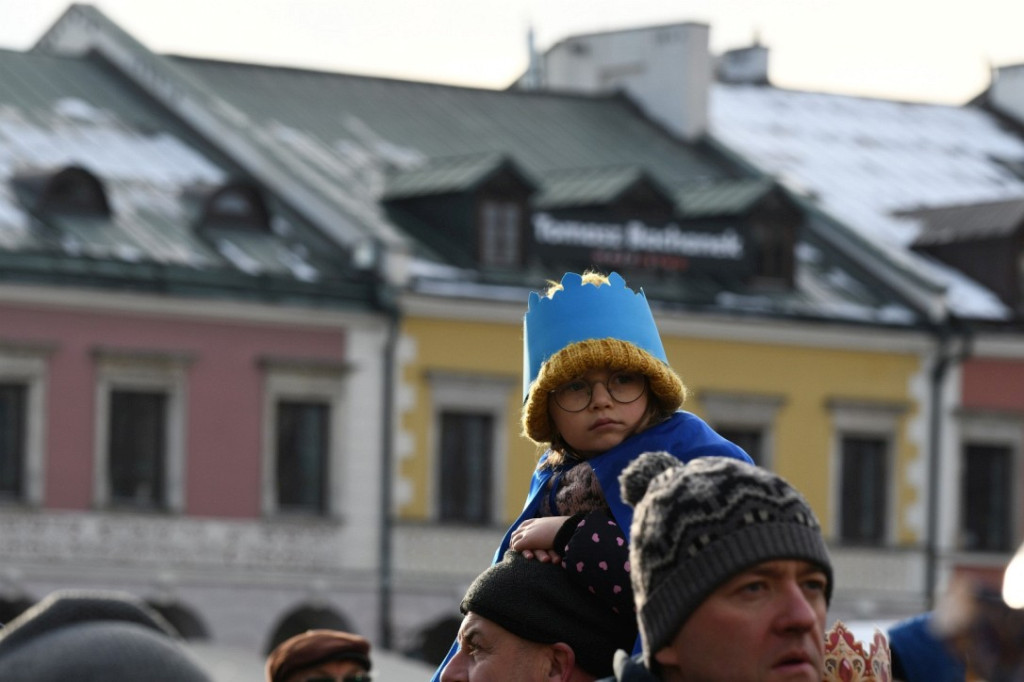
{"type": "Point", "coordinates": [664, 386]}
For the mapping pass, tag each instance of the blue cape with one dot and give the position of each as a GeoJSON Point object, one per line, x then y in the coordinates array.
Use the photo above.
{"type": "Point", "coordinates": [684, 435]}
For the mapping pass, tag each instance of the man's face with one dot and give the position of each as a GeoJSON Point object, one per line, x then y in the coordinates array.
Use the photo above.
{"type": "Point", "coordinates": [766, 624]}
{"type": "Point", "coordinates": [489, 652]}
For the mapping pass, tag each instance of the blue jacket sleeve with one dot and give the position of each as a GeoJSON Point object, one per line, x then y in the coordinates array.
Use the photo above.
{"type": "Point", "coordinates": [919, 656]}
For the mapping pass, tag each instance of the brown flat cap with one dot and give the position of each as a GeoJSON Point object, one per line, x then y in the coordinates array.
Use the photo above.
{"type": "Point", "coordinates": [313, 647]}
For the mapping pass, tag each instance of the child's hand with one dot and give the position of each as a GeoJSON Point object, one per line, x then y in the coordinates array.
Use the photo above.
{"type": "Point", "coordinates": [534, 538]}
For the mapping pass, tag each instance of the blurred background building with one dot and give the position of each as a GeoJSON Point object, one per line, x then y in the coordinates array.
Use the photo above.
{"type": "Point", "coordinates": [260, 327]}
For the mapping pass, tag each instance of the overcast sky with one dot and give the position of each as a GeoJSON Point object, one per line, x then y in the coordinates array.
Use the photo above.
{"type": "Point", "coordinates": [921, 50]}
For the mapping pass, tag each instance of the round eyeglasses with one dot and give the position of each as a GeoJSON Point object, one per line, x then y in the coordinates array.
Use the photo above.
{"type": "Point", "coordinates": [623, 387]}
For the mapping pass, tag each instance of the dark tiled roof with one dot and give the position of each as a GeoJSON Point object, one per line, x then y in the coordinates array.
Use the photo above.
{"type": "Point", "coordinates": [376, 137]}
{"type": "Point", "coordinates": [334, 145]}
{"type": "Point", "coordinates": [587, 187]}
{"type": "Point", "coordinates": [444, 176]}
{"type": "Point", "coordinates": [408, 123]}
{"type": "Point", "coordinates": [722, 198]}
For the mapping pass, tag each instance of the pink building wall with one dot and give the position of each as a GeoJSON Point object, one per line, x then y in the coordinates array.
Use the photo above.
{"type": "Point", "coordinates": [992, 383]}
{"type": "Point", "coordinates": [224, 395]}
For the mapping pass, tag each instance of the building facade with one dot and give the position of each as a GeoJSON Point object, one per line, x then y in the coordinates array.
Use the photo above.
{"type": "Point", "coordinates": [191, 373]}
{"type": "Point", "coordinates": [373, 328]}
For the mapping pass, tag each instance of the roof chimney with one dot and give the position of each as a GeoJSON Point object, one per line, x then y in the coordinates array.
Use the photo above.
{"type": "Point", "coordinates": [533, 78]}
{"type": "Point", "coordinates": [665, 69]}
{"type": "Point", "coordinates": [747, 65]}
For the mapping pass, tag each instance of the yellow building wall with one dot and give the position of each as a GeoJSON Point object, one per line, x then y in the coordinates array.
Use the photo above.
{"type": "Point", "coordinates": [490, 349]}
{"type": "Point", "coordinates": [806, 379]}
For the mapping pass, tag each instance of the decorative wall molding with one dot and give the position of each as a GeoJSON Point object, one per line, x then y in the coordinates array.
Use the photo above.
{"type": "Point", "coordinates": [166, 543]}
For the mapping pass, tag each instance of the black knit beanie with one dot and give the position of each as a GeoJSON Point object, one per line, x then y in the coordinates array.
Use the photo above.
{"type": "Point", "coordinates": [93, 637]}
{"type": "Point", "coordinates": [696, 525]}
{"type": "Point", "coordinates": [539, 602]}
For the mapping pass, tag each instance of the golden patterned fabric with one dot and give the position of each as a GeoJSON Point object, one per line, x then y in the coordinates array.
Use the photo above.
{"type": "Point", "coordinates": [847, 661]}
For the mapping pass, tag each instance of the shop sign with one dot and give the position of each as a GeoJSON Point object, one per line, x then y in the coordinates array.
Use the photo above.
{"type": "Point", "coordinates": [634, 243]}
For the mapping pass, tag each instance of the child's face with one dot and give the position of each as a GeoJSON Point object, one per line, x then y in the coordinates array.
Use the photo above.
{"type": "Point", "coordinates": [605, 422]}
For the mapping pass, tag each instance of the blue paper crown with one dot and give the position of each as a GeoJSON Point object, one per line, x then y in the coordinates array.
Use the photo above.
{"type": "Point", "coordinates": [580, 312]}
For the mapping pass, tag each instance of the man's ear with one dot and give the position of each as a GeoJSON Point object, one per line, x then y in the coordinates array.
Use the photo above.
{"type": "Point", "coordinates": [562, 662]}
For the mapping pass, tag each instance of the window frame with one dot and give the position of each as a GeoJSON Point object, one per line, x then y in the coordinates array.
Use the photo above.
{"type": "Point", "coordinates": [488, 229]}
{"type": "Point", "coordinates": [865, 419]}
{"type": "Point", "coordinates": [324, 411]}
{"type": "Point", "coordinates": [132, 423]}
{"type": "Point", "coordinates": [999, 429]}
{"type": "Point", "coordinates": [486, 507]}
{"type": "Point", "coordinates": [28, 364]}
{"type": "Point", "coordinates": [303, 381]}
{"type": "Point", "coordinates": [455, 392]}
{"type": "Point", "coordinates": [724, 410]}
{"type": "Point", "coordinates": [151, 372]}
{"type": "Point", "coordinates": [884, 451]}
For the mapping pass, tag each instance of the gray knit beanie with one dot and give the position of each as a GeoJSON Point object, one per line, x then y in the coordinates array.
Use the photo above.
{"type": "Point", "coordinates": [698, 524]}
{"type": "Point", "coordinates": [93, 637]}
{"type": "Point", "coordinates": [539, 602]}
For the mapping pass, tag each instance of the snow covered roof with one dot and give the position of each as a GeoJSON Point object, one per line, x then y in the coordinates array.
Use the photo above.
{"type": "Point", "coordinates": [333, 145]}
{"type": "Point", "coordinates": [865, 161]}
{"type": "Point", "coordinates": [367, 128]}
{"type": "Point", "coordinates": [154, 179]}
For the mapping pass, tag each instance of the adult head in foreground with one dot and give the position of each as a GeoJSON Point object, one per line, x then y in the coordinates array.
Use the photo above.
{"type": "Point", "coordinates": [320, 654]}
{"type": "Point", "coordinates": [94, 636]}
{"type": "Point", "coordinates": [527, 621]}
{"type": "Point", "coordinates": [731, 575]}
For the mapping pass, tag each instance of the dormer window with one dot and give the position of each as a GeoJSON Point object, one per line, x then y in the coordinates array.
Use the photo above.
{"type": "Point", "coordinates": [471, 210]}
{"type": "Point", "coordinates": [69, 191]}
{"type": "Point", "coordinates": [985, 241]}
{"type": "Point", "coordinates": [501, 229]}
{"type": "Point", "coordinates": [235, 206]}
{"type": "Point", "coordinates": [765, 216]}
{"type": "Point", "coordinates": [773, 244]}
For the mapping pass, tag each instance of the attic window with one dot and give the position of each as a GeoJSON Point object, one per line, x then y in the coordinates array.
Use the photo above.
{"type": "Point", "coordinates": [773, 247]}
{"type": "Point", "coordinates": [235, 206]}
{"type": "Point", "coordinates": [68, 191]}
{"type": "Point", "coordinates": [501, 227]}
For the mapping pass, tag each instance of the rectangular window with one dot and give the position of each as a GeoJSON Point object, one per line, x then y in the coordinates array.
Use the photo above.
{"type": "Point", "coordinates": [499, 233]}
{"type": "Point", "coordinates": [137, 455]}
{"type": "Point", "coordinates": [987, 498]}
{"type": "Point", "coordinates": [13, 415]}
{"type": "Point", "coordinates": [303, 444]}
{"type": "Point", "coordinates": [772, 246]}
{"type": "Point", "coordinates": [466, 467]}
{"type": "Point", "coordinates": [751, 440]}
{"type": "Point", "coordinates": [864, 490]}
